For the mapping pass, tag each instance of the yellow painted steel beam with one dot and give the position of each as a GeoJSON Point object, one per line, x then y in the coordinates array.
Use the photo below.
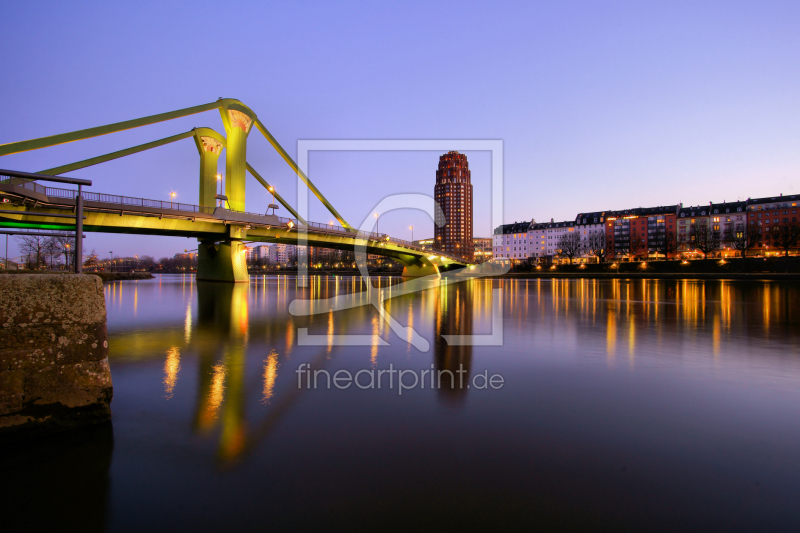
{"type": "Point", "coordinates": [278, 197]}
{"type": "Point", "coordinates": [62, 138]}
{"type": "Point", "coordinates": [278, 148]}
{"type": "Point", "coordinates": [116, 155]}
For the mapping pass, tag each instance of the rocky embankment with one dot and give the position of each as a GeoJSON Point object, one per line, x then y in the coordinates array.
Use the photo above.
{"type": "Point", "coordinates": [54, 371]}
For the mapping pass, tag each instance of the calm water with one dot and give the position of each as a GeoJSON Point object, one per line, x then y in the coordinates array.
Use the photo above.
{"type": "Point", "coordinates": [653, 405]}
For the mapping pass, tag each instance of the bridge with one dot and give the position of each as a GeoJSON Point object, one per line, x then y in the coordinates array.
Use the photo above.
{"type": "Point", "coordinates": [221, 230]}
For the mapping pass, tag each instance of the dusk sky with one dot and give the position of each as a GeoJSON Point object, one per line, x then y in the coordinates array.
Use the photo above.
{"type": "Point", "coordinates": [600, 105]}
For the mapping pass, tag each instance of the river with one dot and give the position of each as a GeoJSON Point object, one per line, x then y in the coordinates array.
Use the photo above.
{"type": "Point", "coordinates": [633, 404]}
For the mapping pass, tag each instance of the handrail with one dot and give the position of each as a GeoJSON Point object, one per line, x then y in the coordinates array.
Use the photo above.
{"type": "Point", "coordinates": [191, 208]}
{"type": "Point", "coordinates": [27, 180]}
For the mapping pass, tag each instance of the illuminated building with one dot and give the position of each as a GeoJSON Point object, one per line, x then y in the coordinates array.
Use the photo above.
{"type": "Point", "coordinates": [510, 241]}
{"type": "Point", "coordinates": [642, 232]}
{"type": "Point", "coordinates": [769, 214]}
{"type": "Point", "coordinates": [453, 192]}
{"type": "Point", "coordinates": [425, 244]}
{"type": "Point", "coordinates": [483, 249]}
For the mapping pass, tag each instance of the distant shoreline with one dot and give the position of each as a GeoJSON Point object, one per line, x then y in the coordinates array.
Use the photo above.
{"type": "Point", "coordinates": [754, 276]}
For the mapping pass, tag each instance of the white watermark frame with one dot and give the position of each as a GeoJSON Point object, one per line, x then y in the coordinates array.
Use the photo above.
{"type": "Point", "coordinates": [395, 201]}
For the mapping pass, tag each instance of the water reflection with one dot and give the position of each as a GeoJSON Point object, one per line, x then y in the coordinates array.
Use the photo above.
{"type": "Point", "coordinates": [238, 339]}
{"type": "Point", "coordinates": [454, 311]}
{"type": "Point", "coordinates": [678, 397]}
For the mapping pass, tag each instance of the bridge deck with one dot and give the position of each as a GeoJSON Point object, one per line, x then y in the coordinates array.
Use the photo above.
{"type": "Point", "coordinates": [169, 218]}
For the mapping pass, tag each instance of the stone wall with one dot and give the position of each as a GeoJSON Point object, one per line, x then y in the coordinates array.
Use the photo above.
{"type": "Point", "coordinates": [54, 371]}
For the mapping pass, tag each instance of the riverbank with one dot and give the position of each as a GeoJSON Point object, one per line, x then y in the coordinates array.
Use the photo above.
{"type": "Point", "coordinates": [105, 276]}
{"type": "Point", "coordinates": [54, 372]}
{"type": "Point", "coordinates": [754, 276]}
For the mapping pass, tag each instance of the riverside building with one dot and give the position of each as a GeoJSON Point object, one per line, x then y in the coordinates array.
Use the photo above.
{"type": "Point", "coordinates": [453, 192]}
{"type": "Point", "coordinates": [510, 241]}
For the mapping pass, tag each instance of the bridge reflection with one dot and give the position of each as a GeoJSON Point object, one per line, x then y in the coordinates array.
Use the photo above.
{"type": "Point", "coordinates": [240, 344]}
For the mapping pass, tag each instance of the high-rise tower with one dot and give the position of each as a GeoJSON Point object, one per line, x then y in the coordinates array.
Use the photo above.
{"type": "Point", "coordinates": [453, 192]}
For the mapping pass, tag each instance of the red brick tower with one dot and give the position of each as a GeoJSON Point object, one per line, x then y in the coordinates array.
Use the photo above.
{"type": "Point", "coordinates": [453, 192]}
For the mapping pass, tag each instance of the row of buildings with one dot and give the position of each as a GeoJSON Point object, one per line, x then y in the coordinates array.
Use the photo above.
{"type": "Point", "coordinates": [726, 229]}
{"type": "Point", "coordinates": [287, 255]}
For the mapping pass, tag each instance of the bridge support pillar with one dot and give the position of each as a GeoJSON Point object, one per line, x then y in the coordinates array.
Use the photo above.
{"type": "Point", "coordinates": [210, 145]}
{"type": "Point", "coordinates": [224, 261]}
{"type": "Point", "coordinates": [417, 267]}
{"type": "Point", "coordinates": [238, 123]}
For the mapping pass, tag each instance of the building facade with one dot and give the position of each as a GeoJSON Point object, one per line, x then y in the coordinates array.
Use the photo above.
{"type": "Point", "coordinates": [483, 249]}
{"type": "Point", "coordinates": [553, 232]}
{"type": "Point", "coordinates": [425, 244]}
{"type": "Point", "coordinates": [282, 254]}
{"type": "Point", "coordinates": [510, 241]}
{"type": "Point", "coordinates": [537, 241]}
{"type": "Point", "coordinates": [769, 214]}
{"type": "Point", "coordinates": [453, 193]}
{"type": "Point", "coordinates": [642, 233]}
{"type": "Point", "coordinates": [589, 225]}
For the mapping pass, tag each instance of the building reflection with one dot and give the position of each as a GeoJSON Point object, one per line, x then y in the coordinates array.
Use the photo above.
{"type": "Point", "coordinates": [621, 321]}
{"type": "Point", "coordinates": [454, 307]}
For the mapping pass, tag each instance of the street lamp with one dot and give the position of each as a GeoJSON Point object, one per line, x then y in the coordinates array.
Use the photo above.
{"type": "Point", "coordinates": [272, 191]}
{"type": "Point", "coordinates": [412, 234]}
{"type": "Point", "coordinates": [171, 198]}
{"type": "Point", "coordinates": [377, 227]}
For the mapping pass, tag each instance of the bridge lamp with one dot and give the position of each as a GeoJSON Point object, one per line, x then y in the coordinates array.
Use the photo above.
{"type": "Point", "coordinates": [272, 191]}
{"type": "Point", "coordinates": [290, 224]}
{"type": "Point", "coordinates": [377, 227]}
{"type": "Point", "coordinates": [412, 233]}
{"type": "Point", "coordinates": [219, 180]}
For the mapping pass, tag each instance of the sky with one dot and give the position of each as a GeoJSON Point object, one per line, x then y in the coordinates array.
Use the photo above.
{"type": "Point", "coordinates": [599, 105]}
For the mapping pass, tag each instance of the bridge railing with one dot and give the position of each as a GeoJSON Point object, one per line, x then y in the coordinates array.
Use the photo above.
{"type": "Point", "coordinates": [109, 198]}
{"type": "Point", "coordinates": [24, 183]}
{"type": "Point", "coordinates": [176, 206]}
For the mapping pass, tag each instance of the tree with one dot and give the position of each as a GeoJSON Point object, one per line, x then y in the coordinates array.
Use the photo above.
{"type": "Point", "coordinates": [705, 238]}
{"type": "Point", "coordinates": [595, 244]}
{"type": "Point", "coordinates": [666, 242]}
{"type": "Point", "coordinates": [627, 247]}
{"type": "Point", "coordinates": [35, 248]}
{"type": "Point", "coordinates": [785, 236]}
{"type": "Point", "coordinates": [93, 261]}
{"type": "Point", "coordinates": [743, 237]}
{"type": "Point", "coordinates": [62, 244]}
{"type": "Point", "coordinates": [570, 244]}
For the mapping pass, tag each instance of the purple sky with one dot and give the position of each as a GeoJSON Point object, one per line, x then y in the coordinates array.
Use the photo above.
{"type": "Point", "coordinates": [601, 105]}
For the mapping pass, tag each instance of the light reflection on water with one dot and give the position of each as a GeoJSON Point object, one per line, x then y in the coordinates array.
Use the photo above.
{"type": "Point", "coordinates": [679, 381]}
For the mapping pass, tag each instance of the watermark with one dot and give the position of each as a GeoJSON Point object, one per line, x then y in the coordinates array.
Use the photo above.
{"type": "Point", "coordinates": [401, 379]}
{"type": "Point", "coordinates": [429, 261]}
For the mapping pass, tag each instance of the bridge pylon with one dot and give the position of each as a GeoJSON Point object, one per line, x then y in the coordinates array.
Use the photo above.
{"type": "Point", "coordinates": [209, 144]}
{"type": "Point", "coordinates": [238, 120]}
{"type": "Point", "coordinates": [222, 261]}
